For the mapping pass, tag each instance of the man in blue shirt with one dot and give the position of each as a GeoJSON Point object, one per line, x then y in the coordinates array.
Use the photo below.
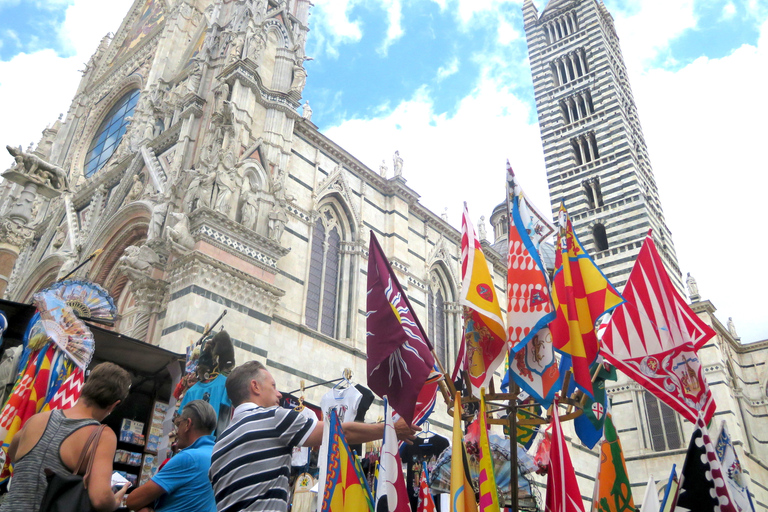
{"type": "Point", "coordinates": [183, 484]}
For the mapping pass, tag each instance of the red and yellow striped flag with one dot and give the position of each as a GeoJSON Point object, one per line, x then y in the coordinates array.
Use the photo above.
{"type": "Point", "coordinates": [581, 293]}
{"type": "Point", "coordinates": [489, 496]}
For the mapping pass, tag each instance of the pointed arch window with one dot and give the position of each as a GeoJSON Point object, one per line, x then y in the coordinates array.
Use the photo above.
{"type": "Point", "coordinates": [110, 132]}
{"type": "Point", "coordinates": [439, 324]}
{"type": "Point", "coordinates": [330, 275]}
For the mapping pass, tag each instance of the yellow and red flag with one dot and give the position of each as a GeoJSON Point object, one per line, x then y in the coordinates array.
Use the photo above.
{"type": "Point", "coordinates": [343, 490]}
{"type": "Point", "coordinates": [581, 294]}
{"type": "Point", "coordinates": [484, 332]}
{"type": "Point", "coordinates": [462, 493]}
{"type": "Point", "coordinates": [489, 496]}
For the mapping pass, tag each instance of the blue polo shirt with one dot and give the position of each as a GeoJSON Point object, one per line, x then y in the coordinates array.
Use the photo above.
{"type": "Point", "coordinates": [185, 479]}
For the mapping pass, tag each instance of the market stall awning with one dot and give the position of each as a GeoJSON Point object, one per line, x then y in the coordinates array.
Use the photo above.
{"type": "Point", "coordinates": [132, 354]}
{"type": "Point", "coordinates": [18, 315]}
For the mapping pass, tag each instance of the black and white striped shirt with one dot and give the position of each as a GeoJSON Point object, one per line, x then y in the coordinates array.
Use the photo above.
{"type": "Point", "coordinates": [251, 460]}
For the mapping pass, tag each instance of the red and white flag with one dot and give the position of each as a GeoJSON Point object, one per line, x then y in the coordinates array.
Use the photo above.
{"type": "Point", "coordinates": [654, 338]}
{"type": "Point", "coordinates": [563, 494]}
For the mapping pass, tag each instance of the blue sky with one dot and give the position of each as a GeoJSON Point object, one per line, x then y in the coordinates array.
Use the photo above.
{"type": "Point", "coordinates": [447, 83]}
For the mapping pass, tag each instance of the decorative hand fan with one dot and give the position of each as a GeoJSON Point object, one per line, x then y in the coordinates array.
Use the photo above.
{"type": "Point", "coordinates": [65, 328]}
{"type": "Point", "coordinates": [88, 300]}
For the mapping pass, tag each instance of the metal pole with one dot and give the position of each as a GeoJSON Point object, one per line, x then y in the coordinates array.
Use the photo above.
{"type": "Point", "coordinates": [513, 444]}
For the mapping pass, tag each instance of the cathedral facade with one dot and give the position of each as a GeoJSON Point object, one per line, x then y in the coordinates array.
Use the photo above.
{"type": "Point", "coordinates": [190, 172]}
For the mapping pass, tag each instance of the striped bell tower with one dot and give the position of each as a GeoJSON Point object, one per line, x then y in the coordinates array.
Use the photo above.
{"type": "Point", "coordinates": [595, 154]}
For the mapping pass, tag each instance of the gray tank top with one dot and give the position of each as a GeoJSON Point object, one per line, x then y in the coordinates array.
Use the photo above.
{"type": "Point", "coordinates": [29, 483]}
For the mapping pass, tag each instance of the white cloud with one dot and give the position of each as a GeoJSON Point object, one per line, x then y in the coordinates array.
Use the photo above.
{"type": "Point", "coordinates": [729, 11]}
{"type": "Point", "coordinates": [506, 32]}
{"type": "Point", "coordinates": [451, 159]}
{"type": "Point", "coordinates": [36, 87]}
{"type": "Point", "coordinates": [640, 43]}
{"type": "Point", "coordinates": [703, 125]}
{"type": "Point", "coordinates": [395, 28]}
{"type": "Point", "coordinates": [331, 26]}
{"type": "Point", "coordinates": [451, 68]}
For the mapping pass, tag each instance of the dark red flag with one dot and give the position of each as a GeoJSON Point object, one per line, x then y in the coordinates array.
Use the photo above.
{"type": "Point", "coordinates": [399, 353]}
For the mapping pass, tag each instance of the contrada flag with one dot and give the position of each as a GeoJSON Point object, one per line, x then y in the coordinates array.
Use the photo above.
{"type": "Point", "coordinates": [343, 490]}
{"type": "Point", "coordinates": [529, 306]}
{"type": "Point", "coordinates": [654, 336]}
{"type": "Point", "coordinates": [734, 475]}
{"type": "Point", "coordinates": [426, 503]}
{"type": "Point", "coordinates": [563, 494]}
{"type": "Point", "coordinates": [581, 293]}
{"type": "Point", "coordinates": [391, 494]}
{"type": "Point", "coordinates": [702, 483]}
{"type": "Point", "coordinates": [484, 333]}
{"type": "Point", "coordinates": [399, 353]}
{"type": "Point", "coordinates": [613, 492]}
{"type": "Point", "coordinates": [534, 368]}
{"type": "Point", "coordinates": [651, 499]}
{"type": "Point", "coordinates": [489, 496]}
{"type": "Point", "coordinates": [462, 494]}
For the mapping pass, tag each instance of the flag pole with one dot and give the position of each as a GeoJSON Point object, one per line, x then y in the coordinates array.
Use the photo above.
{"type": "Point", "coordinates": [513, 444]}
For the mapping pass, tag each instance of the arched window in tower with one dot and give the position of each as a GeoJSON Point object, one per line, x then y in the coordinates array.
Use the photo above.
{"type": "Point", "coordinates": [110, 132]}
{"type": "Point", "coordinates": [589, 195]}
{"type": "Point", "coordinates": [325, 271]}
{"type": "Point", "coordinates": [663, 427]}
{"type": "Point", "coordinates": [600, 237]}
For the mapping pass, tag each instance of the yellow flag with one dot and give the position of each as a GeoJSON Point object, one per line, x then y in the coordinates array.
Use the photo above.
{"type": "Point", "coordinates": [462, 493]}
{"type": "Point", "coordinates": [489, 498]}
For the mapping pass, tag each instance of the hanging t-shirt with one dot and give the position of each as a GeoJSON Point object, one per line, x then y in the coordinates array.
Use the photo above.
{"type": "Point", "coordinates": [345, 401]}
{"type": "Point", "coordinates": [423, 449]}
{"type": "Point", "coordinates": [215, 394]}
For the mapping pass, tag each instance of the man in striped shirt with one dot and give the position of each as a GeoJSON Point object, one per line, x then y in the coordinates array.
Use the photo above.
{"type": "Point", "coordinates": [251, 460]}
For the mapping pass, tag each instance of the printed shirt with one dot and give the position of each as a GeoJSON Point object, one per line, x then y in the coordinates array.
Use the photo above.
{"type": "Point", "coordinates": [251, 460]}
{"type": "Point", "coordinates": [185, 479]}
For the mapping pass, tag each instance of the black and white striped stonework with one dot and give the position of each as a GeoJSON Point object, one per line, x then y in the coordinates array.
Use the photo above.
{"type": "Point", "coordinates": [251, 461]}
{"type": "Point", "coordinates": [594, 149]}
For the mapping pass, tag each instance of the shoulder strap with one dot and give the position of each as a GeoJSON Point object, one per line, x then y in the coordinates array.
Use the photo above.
{"type": "Point", "coordinates": [89, 452]}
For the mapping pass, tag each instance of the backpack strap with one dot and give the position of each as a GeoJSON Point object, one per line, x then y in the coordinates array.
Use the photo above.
{"type": "Point", "coordinates": [89, 452]}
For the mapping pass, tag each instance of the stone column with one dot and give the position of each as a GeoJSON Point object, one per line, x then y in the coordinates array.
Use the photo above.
{"type": "Point", "coordinates": [150, 296]}
{"type": "Point", "coordinates": [283, 74]}
{"type": "Point", "coordinates": [13, 238]}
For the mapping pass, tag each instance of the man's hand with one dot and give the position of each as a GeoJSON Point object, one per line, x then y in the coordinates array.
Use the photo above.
{"type": "Point", "coordinates": [406, 432]}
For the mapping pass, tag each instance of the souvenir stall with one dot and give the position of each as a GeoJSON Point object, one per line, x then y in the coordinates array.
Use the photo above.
{"type": "Point", "coordinates": [48, 348]}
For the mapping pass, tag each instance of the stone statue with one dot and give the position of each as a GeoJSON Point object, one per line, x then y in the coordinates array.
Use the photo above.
{"type": "Point", "coordinates": [38, 170]}
{"type": "Point", "coordinates": [224, 185]}
{"type": "Point", "coordinates": [383, 169]}
{"type": "Point", "coordinates": [398, 162]}
{"type": "Point", "coordinates": [250, 210]}
{"type": "Point", "coordinates": [256, 45]}
{"type": "Point", "coordinates": [299, 78]}
{"type": "Point", "coordinates": [69, 264]}
{"type": "Point", "coordinates": [277, 220]}
{"type": "Point", "coordinates": [159, 212]}
{"type": "Point", "coordinates": [693, 288]}
{"type": "Point", "coordinates": [481, 233]}
{"type": "Point", "coordinates": [136, 189]}
{"type": "Point", "coordinates": [235, 48]}
{"type": "Point", "coordinates": [60, 237]}
{"type": "Point", "coordinates": [193, 81]}
{"type": "Point", "coordinates": [221, 95]}
{"type": "Point", "coordinates": [179, 234]}
{"type": "Point", "coordinates": [138, 258]}
{"type": "Point", "coordinates": [307, 111]}
{"type": "Point", "coordinates": [732, 328]}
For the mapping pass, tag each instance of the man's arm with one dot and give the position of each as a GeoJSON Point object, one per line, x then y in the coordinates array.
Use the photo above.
{"type": "Point", "coordinates": [357, 433]}
{"type": "Point", "coordinates": [144, 496]}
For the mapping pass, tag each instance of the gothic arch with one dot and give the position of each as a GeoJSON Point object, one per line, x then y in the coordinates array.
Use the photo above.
{"type": "Point", "coordinates": [133, 81]}
{"type": "Point", "coordinates": [127, 227]}
{"type": "Point", "coordinates": [330, 301]}
{"type": "Point", "coordinates": [278, 28]}
{"type": "Point", "coordinates": [255, 175]}
{"type": "Point", "coordinates": [44, 274]}
{"type": "Point", "coordinates": [441, 328]}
